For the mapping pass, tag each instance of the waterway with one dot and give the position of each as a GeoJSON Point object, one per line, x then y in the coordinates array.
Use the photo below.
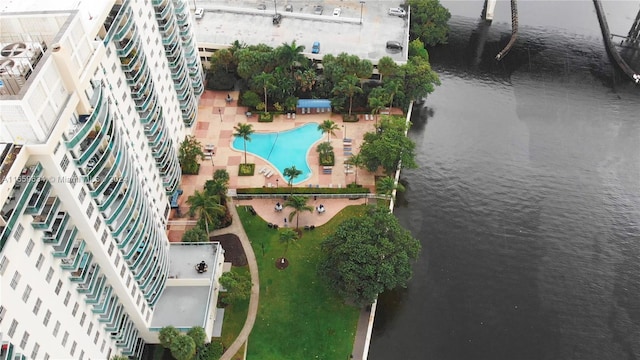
{"type": "Point", "coordinates": [527, 199]}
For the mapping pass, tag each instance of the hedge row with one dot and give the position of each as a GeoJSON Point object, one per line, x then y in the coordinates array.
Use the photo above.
{"type": "Point", "coordinates": [303, 190]}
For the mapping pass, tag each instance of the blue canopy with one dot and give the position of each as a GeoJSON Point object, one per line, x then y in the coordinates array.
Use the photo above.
{"type": "Point", "coordinates": [314, 103]}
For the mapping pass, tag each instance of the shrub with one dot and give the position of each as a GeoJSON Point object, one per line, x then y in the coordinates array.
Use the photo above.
{"type": "Point", "coordinates": [349, 118]}
{"type": "Point", "coordinates": [194, 235]}
{"type": "Point", "coordinates": [328, 159]}
{"type": "Point", "coordinates": [250, 99]}
{"type": "Point", "coordinates": [221, 80]}
{"type": "Point", "coordinates": [246, 169]}
{"type": "Point", "coordinates": [265, 117]}
{"type": "Point", "coordinates": [301, 190]}
{"type": "Point", "coordinates": [278, 107]}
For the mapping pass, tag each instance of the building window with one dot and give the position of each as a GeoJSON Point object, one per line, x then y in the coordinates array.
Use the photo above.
{"type": "Point", "coordinates": [65, 337]}
{"type": "Point", "coordinates": [75, 309]}
{"type": "Point", "coordinates": [36, 306]}
{"type": "Point", "coordinates": [58, 287]}
{"type": "Point", "coordinates": [119, 82]}
{"type": "Point", "coordinates": [104, 342]}
{"type": "Point", "coordinates": [108, 51]}
{"type": "Point", "coordinates": [56, 328]}
{"type": "Point", "coordinates": [29, 248]}
{"type": "Point", "coordinates": [117, 262]}
{"type": "Point", "coordinates": [122, 270]}
{"type": "Point", "coordinates": [95, 338]}
{"type": "Point", "coordinates": [55, 150]}
{"type": "Point", "coordinates": [110, 250]}
{"type": "Point", "coordinates": [82, 355]}
{"type": "Point", "coordinates": [113, 68]}
{"type": "Point", "coordinates": [128, 280]}
{"type": "Point", "coordinates": [18, 232]}
{"type": "Point", "coordinates": [138, 300]}
{"type": "Point", "coordinates": [90, 329]}
{"type": "Point", "coordinates": [47, 317]}
{"type": "Point", "coordinates": [82, 319]}
{"type": "Point", "coordinates": [15, 280]}
{"type": "Point", "coordinates": [97, 224]}
{"type": "Point", "coordinates": [34, 352]}
{"type": "Point", "coordinates": [74, 180]}
{"type": "Point", "coordinates": [124, 96]}
{"type": "Point", "coordinates": [104, 236]}
{"type": "Point", "coordinates": [66, 298]}
{"type": "Point", "coordinates": [64, 163]}
{"type": "Point", "coordinates": [89, 210]}
{"type": "Point", "coordinates": [25, 340]}
{"type": "Point", "coordinates": [3, 265]}
{"type": "Point", "coordinates": [46, 356]}
{"type": "Point", "coordinates": [3, 311]}
{"type": "Point", "coordinates": [49, 274]}
{"type": "Point", "coordinates": [12, 328]}
{"type": "Point", "coordinates": [26, 293]}
{"type": "Point", "coordinates": [39, 261]}
{"type": "Point", "coordinates": [82, 195]}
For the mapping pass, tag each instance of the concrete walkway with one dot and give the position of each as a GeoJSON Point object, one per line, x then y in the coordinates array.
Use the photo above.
{"type": "Point", "coordinates": [236, 228]}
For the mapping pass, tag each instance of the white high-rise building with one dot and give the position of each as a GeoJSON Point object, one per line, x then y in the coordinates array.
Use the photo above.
{"type": "Point", "coordinates": [95, 98]}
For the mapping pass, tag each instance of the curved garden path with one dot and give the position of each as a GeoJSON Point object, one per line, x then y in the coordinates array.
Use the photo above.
{"type": "Point", "coordinates": [236, 228]}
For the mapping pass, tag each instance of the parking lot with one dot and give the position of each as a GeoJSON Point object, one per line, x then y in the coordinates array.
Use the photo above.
{"type": "Point", "coordinates": [361, 29]}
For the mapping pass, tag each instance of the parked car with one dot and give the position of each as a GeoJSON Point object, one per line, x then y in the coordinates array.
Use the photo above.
{"type": "Point", "coordinates": [397, 11]}
{"type": "Point", "coordinates": [337, 12]}
{"type": "Point", "coordinates": [288, 8]}
{"type": "Point", "coordinates": [394, 45]}
{"type": "Point", "coordinates": [199, 13]}
{"type": "Point", "coordinates": [262, 6]}
{"type": "Point", "coordinates": [318, 9]}
{"type": "Point", "coordinates": [315, 49]}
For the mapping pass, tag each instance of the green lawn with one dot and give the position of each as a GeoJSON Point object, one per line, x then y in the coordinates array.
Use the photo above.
{"type": "Point", "coordinates": [299, 317]}
{"type": "Point", "coordinates": [234, 317]}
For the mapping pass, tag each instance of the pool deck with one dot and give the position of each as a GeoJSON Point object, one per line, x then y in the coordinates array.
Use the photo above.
{"type": "Point", "coordinates": [216, 120]}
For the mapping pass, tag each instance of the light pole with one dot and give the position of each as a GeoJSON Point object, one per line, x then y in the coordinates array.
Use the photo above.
{"type": "Point", "coordinates": [220, 113]}
{"type": "Point", "coordinates": [277, 184]}
{"type": "Point", "coordinates": [361, 5]}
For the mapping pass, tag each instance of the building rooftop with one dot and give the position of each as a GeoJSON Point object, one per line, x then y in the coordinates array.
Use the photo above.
{"type": "Point", "coordinates": [186, 299]}
{"type": "Point", "coordinates": [225, 21]}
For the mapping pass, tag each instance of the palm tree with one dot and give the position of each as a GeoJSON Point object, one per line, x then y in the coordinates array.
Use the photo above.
{"type": "Point", "coordinates": [348, 87]}
{"type": "Point", "coordinates": [386, 66]}
{"type": "Point", "coordinates": [298, 204]}
{"type": "Point", "coordinates": [328, 127]}
{"type": "Point", "coordinates": [376, 104]}
{"type": "Point", "coordinates": [207, 206]}
{"type": "Point", "coordinates": [290, 54]}
{"type": "Point", "coordinates": [244, 131]}
{"type": "Point", "coordinates": [287, 236]}
{"type": "Point", "coordinates": [266, 81]}
{"type": "Point", "coordinates": [393, 87]}
{"type": "Point", "coordinates": [291, 173]}
{"type": "Point", "coordinates": [386, 185]}
{"type": "Point", "coordinates": [356, 160]}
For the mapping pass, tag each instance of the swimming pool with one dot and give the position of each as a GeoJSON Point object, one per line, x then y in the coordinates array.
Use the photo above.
{"type": "Point", "coordinates": [284, 149]}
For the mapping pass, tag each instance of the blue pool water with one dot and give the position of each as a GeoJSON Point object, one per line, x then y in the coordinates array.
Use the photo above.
{"type": "Point", "coordinates": [284, 149]}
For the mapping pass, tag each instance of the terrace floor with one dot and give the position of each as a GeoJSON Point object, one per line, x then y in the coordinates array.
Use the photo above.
{"type": "Point", "coordinates": [215, 123]}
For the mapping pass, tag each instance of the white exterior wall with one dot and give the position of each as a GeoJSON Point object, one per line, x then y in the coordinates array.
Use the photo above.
{"type": "Point", "coordinates": [46, 109]}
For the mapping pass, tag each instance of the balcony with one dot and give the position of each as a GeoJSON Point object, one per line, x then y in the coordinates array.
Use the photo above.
{"type": "Point", "coordinates": [38, 198]}
{"type": "Point", "coordinates": [66, 243]}
{"type": "Point", "coordinates": [107, 312]}
{"type": "Point", "coordinates": [93, 296]}
{"type": "Point", "coordinates": [72, 260]}
{"type": "Point", "coordinates": [81, 272]}
{"type": "Point", "coordinates": [90, 280]}
{"type": "Point", "coordinates": [112, 325]}
{"type": "Point", "coordinates": [99, 301]}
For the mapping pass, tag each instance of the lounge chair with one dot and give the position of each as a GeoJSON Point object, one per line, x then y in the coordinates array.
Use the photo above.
{"type": "Point", "coordinates": [267, 172]}
{"type": "Point", "coordinates": [262, 170]}
{"type": "Point", "coordinates": [347, 140]}
{"type": "Point", "coordinates": [348, 153]}
{"type": "Point", "coordinates": [271, 172]}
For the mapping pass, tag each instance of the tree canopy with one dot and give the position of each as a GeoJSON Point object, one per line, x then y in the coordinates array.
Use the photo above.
{"type": "Point", "coordinates": [368, 255]}
{"type": "Point", "coordinates": [238, 287]}
{"type": "Point", "coordinates": [198, 335]}
{"type": "Point", "coordinates": [183, 348]}
{"type": "Point", "coordinates": [388, 147]}
{"type": "Point", "coordinates": [167, 334]}
{"type": "Point", "coordinates": [429, 21]}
